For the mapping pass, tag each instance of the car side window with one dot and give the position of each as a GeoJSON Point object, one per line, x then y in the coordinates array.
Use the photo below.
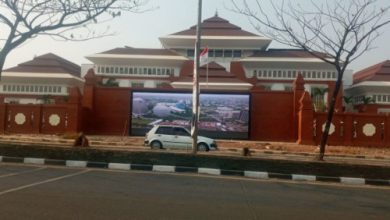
{"type": "Point", "coordinates": [164, 130]}
{"type": "Point", "coordinates": [180, 131]}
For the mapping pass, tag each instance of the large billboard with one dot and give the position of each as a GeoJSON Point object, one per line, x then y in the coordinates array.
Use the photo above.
{"type": "Point", "coordinates": [223, 116]}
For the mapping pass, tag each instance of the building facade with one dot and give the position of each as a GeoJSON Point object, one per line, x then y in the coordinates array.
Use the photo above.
{"type": "Point", "coordinates": [45, 79]}
{"type": "Point", "coordinates": [239, 60]}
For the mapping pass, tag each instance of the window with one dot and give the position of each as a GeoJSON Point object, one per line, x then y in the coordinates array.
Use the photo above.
{"type": "Point", "coordinates": [168, 72]}
{"type": "Point", "coordinates": [172, 72]}
{"type": "Point", "coordinates": [236, 53]}
{"type": "Point", "coordinates": [180, 132]}
{"type": "Point", "coordinates": [333, 75]}
{"type": "Point", "coordinates": [158, 71]}
{"type": "Point", "coordinates": [218, 53]}
{"type": "Point", "coordinates": [255, 72]}
{"type": "Point", "coordinates": [111, 70]}
{"type": "Point", "coordinates": [274, 74]}
{"type": "Point", "coordinates": [59, 89]}
{"type": "Point", "coordinates": [164, 130]}
{"type": "Point", "coordinates": [149, 71]}
{"type": "Point", "coordinates": [190, 53]}
{"type": "Point", "coordinates": [145, 71]}
{"type": "Point", "coordinates": [284, 74]}
{"type": "Point", "coordinates": [228, 53]}
{"type": "Point", "coordinates": [154, 71]}
{"type": "Point", "coordinates": [289, 74]}
{"type": "Point", "coordinates": [126, 70]}
{"type": "Point", "coordinates": [211, 53]}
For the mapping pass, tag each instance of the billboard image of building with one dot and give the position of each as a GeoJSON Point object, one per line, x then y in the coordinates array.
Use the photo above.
{"type": "Point", "coordinates": [221, 115]}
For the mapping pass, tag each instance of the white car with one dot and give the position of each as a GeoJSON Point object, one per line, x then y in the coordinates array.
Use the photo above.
{"type": "Point", "coordinates": [161, 136]}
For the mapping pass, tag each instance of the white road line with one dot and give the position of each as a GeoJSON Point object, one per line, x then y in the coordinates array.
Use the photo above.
{"type": "Point", "coordinates": [23, 172]}
{"type": "Point", "coordinates": [42, 182]}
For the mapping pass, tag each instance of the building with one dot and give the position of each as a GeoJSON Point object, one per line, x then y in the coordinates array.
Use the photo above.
{"type": "Point", "coordinates": [370, 91]}
{"type": "Point", "coordinates": [239, 60]}
{"type": "Point", "coordinates": [45, 79]}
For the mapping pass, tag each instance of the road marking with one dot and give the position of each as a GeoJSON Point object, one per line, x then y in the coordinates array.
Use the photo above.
{"type": "Point", "coordinates": [23, 172]}
{"type": "Point", "coordinates": [42, 182]}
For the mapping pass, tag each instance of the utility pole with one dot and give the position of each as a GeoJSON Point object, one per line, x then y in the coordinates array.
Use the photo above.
{"type": "Point", "coordinates": [195, 89]}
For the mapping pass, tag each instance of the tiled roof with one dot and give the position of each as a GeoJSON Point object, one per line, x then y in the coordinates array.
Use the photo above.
{"type": "Point", "coordinates": [47, 63]}
{"type": "Point", "coordinates": [141, 51]}
{"type": "Point", "coordinates": [216, 26]}
{"type": "Point", "coordinates": [296, 53]}
{"type": "Point", "coordinates": [377, 72]}
{"type": "Point", "coordinates": [216, 73]}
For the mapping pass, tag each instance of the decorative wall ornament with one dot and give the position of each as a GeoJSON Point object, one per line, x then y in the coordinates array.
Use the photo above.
{"type": "Point", "coordinates": [20, 118]}
{"type": "Point", "coordinates": [331, 128]}
{"type": "Point", "coordinates": [54, 119]}
{"type": "Point", "coordinates": [369, 129]}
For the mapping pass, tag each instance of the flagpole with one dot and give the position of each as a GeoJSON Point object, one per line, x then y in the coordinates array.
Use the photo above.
{"type": "Point", "coordinates": [207, 75]}
{"type": "Point", "coordinates": [195, 90]}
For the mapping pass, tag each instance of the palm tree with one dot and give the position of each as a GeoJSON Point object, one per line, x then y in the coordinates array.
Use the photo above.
{"type": "Point", "coordinates": [348, 103]}
{"type": "Point", "coordinates": [318, 99]}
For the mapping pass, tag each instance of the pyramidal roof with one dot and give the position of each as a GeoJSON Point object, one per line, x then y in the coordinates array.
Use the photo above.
{"type": "Point", "coordinates": [47, 63]}
{"type": "Point", "coordinates": [216, 26]}
{"type": "Point", "coordinates": [377, 72]}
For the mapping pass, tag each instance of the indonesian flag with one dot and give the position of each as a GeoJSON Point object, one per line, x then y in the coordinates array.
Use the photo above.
{"type": "Point", "coordinates": [204, 57]}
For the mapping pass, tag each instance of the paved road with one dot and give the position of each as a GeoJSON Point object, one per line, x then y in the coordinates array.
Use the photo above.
{"type": "Point", "coordinates": [42, 192]}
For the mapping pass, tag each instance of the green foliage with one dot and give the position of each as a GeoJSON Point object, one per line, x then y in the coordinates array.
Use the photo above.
{"type": "Point", "coordinates": [368, 100]}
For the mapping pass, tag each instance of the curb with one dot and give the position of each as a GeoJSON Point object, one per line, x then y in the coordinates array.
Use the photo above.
{"type": "Point", "coordinates": [199, 170]}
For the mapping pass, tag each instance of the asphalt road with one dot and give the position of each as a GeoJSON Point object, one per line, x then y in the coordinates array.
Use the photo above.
{"type": "Point", "coordinates": [43, 192]}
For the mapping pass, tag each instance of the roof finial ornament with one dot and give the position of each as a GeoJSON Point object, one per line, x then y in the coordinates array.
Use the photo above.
{"type": "Point", "coordinates": [216, 12]}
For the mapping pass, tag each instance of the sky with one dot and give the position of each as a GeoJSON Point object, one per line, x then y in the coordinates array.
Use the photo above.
{"type": "Point", "coordinates": [142, 30]}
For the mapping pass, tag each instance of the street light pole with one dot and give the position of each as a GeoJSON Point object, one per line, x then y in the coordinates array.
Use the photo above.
{"type": "Point", "coordinates": [195, 90]}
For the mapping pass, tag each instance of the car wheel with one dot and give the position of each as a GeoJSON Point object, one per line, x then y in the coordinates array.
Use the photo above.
{"type": "Point", "coordinates": [156, 145]}
{"type": "Point", "coordinates": [203, 147]}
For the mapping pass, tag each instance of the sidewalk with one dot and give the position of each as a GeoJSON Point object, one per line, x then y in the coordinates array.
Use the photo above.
{"type": "Point", "coordinates": [265, 150]}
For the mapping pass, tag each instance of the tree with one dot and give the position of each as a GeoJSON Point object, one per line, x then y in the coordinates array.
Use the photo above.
{"type": "Point", "coordinates": [21, 20]}
{"type": "Point", "coordinates": [336, 32]}
{"type": "Point", "coordinates": [318, 95]}
{"type": "Point", "coordinates": [348, 101]}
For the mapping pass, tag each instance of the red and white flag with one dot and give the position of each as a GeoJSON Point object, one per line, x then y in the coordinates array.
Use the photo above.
{"type": "Point", "coordinates": [204, 57]}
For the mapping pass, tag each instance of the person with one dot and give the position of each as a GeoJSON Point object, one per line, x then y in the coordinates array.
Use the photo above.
{"type": "Point", "coordinates": [81, 141]}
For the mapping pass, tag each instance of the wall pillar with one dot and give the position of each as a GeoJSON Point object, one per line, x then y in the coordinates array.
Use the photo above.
{"type": "Point", "coordinates": [305, 120]}
{"type": "Point", "coordinates": [3, 115]}
{"type": "Point", "coordinates": [298, 89]}
{"type": "Point", "coordinates": [74, 111]}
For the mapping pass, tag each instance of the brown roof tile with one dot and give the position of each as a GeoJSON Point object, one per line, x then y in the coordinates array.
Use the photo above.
{"type": "Point", "coordinates": [47, 63]}
{"type": "Point", "coordinates": [141, 51]}
{"type": "Point", "coordinates": [296, 53]}
{"type": "Point", "coordinates": [377, 72]}
{"type": "Point", "coordinates": [216, 26]}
